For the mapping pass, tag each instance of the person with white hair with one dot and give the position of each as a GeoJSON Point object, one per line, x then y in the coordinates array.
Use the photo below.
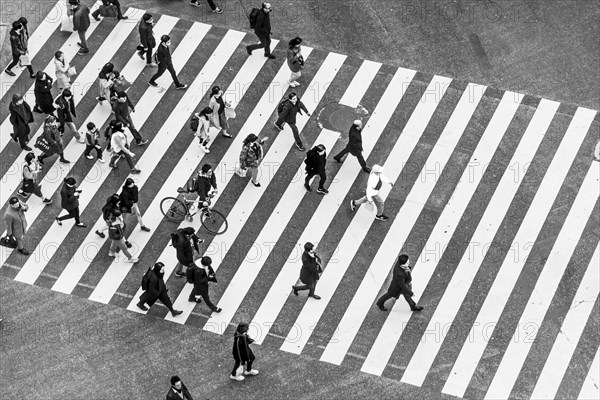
{"type": "Point", "coordinates": [354, 146]}
{"type": "Point", "coordinates": [376, 180]}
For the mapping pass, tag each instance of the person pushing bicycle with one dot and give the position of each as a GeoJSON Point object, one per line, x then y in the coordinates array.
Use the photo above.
{"type": "Point", "coordinates": [203, 184]}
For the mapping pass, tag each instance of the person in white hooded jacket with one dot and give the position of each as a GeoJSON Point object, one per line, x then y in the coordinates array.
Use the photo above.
{"type": "Point", "coordinates": [120, 148]}
{"type": "Point", "coordinates": [376, 180]}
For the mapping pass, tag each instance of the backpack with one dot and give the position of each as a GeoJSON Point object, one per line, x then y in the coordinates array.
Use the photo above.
{"type": "Point", "coordinates": [115, 232]}
{"type": "Point", "coordinates": [280, 106]}
{"type": "Point", "coordinates": [190, 186]}
{"type": "Point", "coordinates": [253, 16]}
{"type": "Point", "coordinates": [146, 279]}
{"type": "Point", "coordinates": [189, 274]}
{"type": "Point", "coordinates": [194, 122]}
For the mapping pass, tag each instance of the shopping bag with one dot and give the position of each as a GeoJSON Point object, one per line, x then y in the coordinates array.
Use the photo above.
{"type": "Point", "coordinates": [8, 241]}
{"type": "Point", "coordinates": [24, 60]}
{"type": "Point", "coordinates": [122, 84]}
{"type": "Point", "coordinates": [42, 144]}
{"type": "Point", "coordinates": [72, 71]}
{"type": "Point", "coordinates": [109, 10]}
{"type": "Point", "coordinates": [229, 113]}
{"type": "Point", "coordinates": [370, 206]}
{"type": "Point", "coordinates": [66, 24]}
{"type": "Point", "coordinates": [241, 172]}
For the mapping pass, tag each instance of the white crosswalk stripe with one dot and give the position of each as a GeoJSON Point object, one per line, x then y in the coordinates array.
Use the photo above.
{"type": "Point", "coordinates": [362, 82]}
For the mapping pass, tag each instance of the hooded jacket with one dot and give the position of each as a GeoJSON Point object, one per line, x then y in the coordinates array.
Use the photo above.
{"type": "Point", "coordinates": [183, 245]}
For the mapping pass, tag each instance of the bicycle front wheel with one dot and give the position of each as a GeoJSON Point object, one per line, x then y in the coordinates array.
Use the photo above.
{"type": "Point", "coordinates": [173, 209]}
{"type": "Point", "coordinates": [214, 222]}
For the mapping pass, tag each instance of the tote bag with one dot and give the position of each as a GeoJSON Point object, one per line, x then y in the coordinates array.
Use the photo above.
{"type": "Point", "coordinates": [66, 24]}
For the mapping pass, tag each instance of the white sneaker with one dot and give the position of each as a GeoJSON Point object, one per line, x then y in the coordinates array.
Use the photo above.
{"type": "Point", "coordinates": [132, 260]}
{"type": "Point", "coordinates": [89, 157]}
{"type": "Point", "coordinates": [101, 160]}
{"type": "Point", "coordinates": [205, 149]}
{"type": "Point", "coordinates": [237, 378]}
{"type": "Point", "coordinates": [251, 372]}
{"type": "Point", "coordinates": [110, 254]}
{"type": "Point", "coordinates": [80, 140]}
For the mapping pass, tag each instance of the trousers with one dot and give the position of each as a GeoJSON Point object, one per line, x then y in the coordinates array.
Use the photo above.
{"type": "Point", "coordinates": [378, 203]}
{"type": "Point", "coordinates": [265, 41]}
{"type": "Point", "coordinates": [386, 296]}
{"type": "Point", "coordinates": [162, 67]}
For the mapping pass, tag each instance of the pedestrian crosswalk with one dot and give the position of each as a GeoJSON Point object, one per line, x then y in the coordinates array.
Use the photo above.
{"type": "Point", "coordinates": [495, 199]}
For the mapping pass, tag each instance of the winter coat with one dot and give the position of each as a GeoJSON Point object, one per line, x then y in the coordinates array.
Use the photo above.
{"type": "Point", "coordinates": [122, 110]}
{"type": "Point", "coordinates": [105, 84]}
{"type": "Point", "coordinates": [81, 19]}
{"type": "Point", "coordinates": [263, 24]}
{"type": "Point", "coordinates": [62, 76]}
{"type": "Point", "coordinates": [241, 348]}
{"type": "Point", "coordinates": [146, 35]}
{"type": "Point", "coordinates": [251, 155]}
{"type": "Point", "coordinates": [201, 279]}
{"type": "Point", "coordinates": [68, 200]}
{"type": "Point", "coordinates": [354, 140]}
{"type": "Point", "coordinates": [43, 95]}
{"type": "Point", "coordinates": [17, 45]}
{"type": "Point", "coordinates": [66, 109]}
{"type": "Point", "coordinates": [401, 282]}
{"type": "Point", "coordinates": [53, 136]}
{"type": "Point", "coordinates": [315, 163]}
{"type": "Point", "coordinates": [20, 118]}
{"type": "Point", "coordinates": [156, 286]}
{"type": "Point", "coordinates": [163, 55]}
{"type": "Point", "coordinates": [184, 247]}
{"type": "Point", "coordinates": [295, 60]}
{"type": "Point", "coordinates": [15, 221]}
{"type": "Point", "coordinates": [204, 184]}
{"type": "Point", "coordinates": [128, 197]}
{"type": "Point", "coordinates": [184, 391]}
{"type": "Point", "coordinates": [309, 274]}
{"type": "Point", "coordinates": [288, 114]}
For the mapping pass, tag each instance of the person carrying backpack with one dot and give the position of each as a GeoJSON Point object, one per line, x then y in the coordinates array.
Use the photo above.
{"type": "Point", "coordinates": [112, 204]}
{"type": "Point", "coordinates": [199, 277]}
{"type": "Point", "coordinates": [287, 111]}
{"type": "Point", "coordinates": [186, 243]}
{"type": "Point", "coordinates": [315, 165]}
{"type": "Point", "coordinates": [156, 290]}
{"type": "Point", "coordinates": [262, 28]}
{"type": "Point", "coordinates": [129, 200]}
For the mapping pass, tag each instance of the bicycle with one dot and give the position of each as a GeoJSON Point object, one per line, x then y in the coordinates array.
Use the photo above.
{"type": "Point", "coordinates": [176, 210]}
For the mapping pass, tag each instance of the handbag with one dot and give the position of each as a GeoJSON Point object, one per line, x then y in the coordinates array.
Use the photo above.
{"type": "Point", "coordinates": [8, 241]}
{"type": "Point", "coordinates": [115, 232]}
{"type": "Point", "coordinates": [241, 172]}
{"type": "Point", "coordinates": [66, 24]}
{"type": "Point", "coordinates": [72, 71]}
{"type": "Point", "coordinates": [109, 10]}
{"type": "Point", "coordinates": [229, 113]}
{"type": "Point", "coordinates": [28, 186]}
{"type": "Point", "coordinates": [42, 144]}
{"type": "Point", "coordinates": [370, 206]}
{"type": "Point", "coordinates": [24, 60]}
{"type": "Point", "coordinates": [121, 84]}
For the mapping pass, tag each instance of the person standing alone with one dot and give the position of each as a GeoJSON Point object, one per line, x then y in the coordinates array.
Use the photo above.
{"type": "Point", "coordinates": [354, 146]}
{"type": "Point", "coordinates": [81, 23]}
{"type": "Point", "coordinates": [20, 118]}
{"type": "Point", "coordinates": [295, 61]}
{"type": "Point", "coordinates": [129, 202]}
{"type": "Point", "coordinates": [178, 390]}
{"type": "Point", "coordinates": [165, 62]}
{"type": "Point", "coordinates": [262, 29]}
{"type": "Point", "coordinates": [69, 195]}
{"type": "Point", "coordinates": [400, 285]}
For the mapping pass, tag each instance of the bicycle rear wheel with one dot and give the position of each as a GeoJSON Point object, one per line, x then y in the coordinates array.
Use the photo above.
{"type": "Point", "coordinates": [173, 209]}
{"type": "Point", "coordinates": [214, 222]}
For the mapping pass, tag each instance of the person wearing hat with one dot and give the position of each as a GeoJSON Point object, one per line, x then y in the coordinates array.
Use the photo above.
{"type": "Point", "coordinates": [354, 146]}
{"type": "Point", "coordinates": [129, 202]}
{"type": "Point", "coordinates": [218, 104]}
{"type": "Point", "coordinates": [66, 111]}
{"type": "Point", "coordinates": [107, 3]}
{"type": "Point", "coordinates": [120, 148]}
{"type": "Point", "coordinates": [54, 139]}
{"type": "Point", "coordinates": [315, 165]}
{"type": "Point", "coordinates": [242, 354]}
{"type": "Point", "coordinates": [69, 201]}
{"type": "Point", "coordinates": [147, 41]}
{"type": "Point", "coordinates": [290, 107]}
{"type": "Point", "coordinates": [18, 45]}
{"type": "Point", "coordinates": [400, 285]}
{"type": "Point", "coordinates": [81, 23]}
{"type": "Point", "coordinates": [376, 180]}
{"type": "Point", "coordinates": [200, 276]}
{"type": "Point", "coordinates": [165, 62]}
{"type": "Point", "coordinates": [157, 290]}
{"type": "Point", "coordinates": [310, 272]}
{"type": "Point", "coordinates": [295, 61]}
{"type": "Point", "coordinates": [178, 390]}
{"type": "Point", "coordinates": [251, 155]}
{"type": "Point", "coordinates": [123, 107]}
{"type": "Point", "coordinates": [20, 118]}
{"type": "Point", "coordinates": [262, 29]}
{"type": "Point", "coordinates": [16, 224]}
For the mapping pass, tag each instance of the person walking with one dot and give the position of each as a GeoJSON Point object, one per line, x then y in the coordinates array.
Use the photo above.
{"type": "Point", "coordinates": [205, 183]}
{"type": "Point", "coordinates": [123, 107]}
{"type": "Point", "coordinates": [157, 290]}
{"type": "Point", "coordinates": [54, 139]}
{"type": "Point", "coordinates": [25, 40]}
{"type": "Point", "coordinates": [147, 41]}
{"type": "Point", "coordinates": [262, 29]}
{"type": "Point", "coordinates": [63, 71]}
{"type": "Point", "coordinates": [178, 390]}
{"type": "Point", "coordinates": [81, 23]}
{"type": "Point", "coordinates": [20, 118]}
{"type": "Point", "coordinates": [129, 202]}
{"type": "Point", "coordinates": [354, 146]}
{"type": "Point", "coordinates": [108, 211]}
{"type": "Point", "coordinates": [310, 272]}
{"type": "Point", "coordinates": [315, 165]}
{"type": "Point", "coordinates": [211, 4]}
{"type": "Point", "coordinates": [18, 46]}
{"type": "Point", "coordinates": [400, 285]}
{"type": "Point", "coordinates": [44, 102]}
{"type": "Point", "coordinates": [31, 170]}
{"type": "Point", "coordinates": [242, 354]}
{"type": "Point", "coordinates": [218, 104]}
{"type": "Point", "coordinates": [116, 233]}
{"type": "Point", "coordinates": [597, 152]}
{"type": "Point", "coordinates": [376, 180]}
{"type": "Point", "coordinates": [69, 201]}
{"type": "Point", "coordinates": [165, 62]}
{"type": "Point", "coordinates": [108, 3]}
{"type": "Point", "coordinates": [203, 131]}
{"type": "Point", "coordinates": [287, 111]}
{"type": "Point", "coordinates": [200, 276]}
{"type": "Point", "coordinates": [106, 82]}
{"type": "Point", "coordinates": [16, 223]}
{"type": "Point", "coordinates": [295, 61]}
{"type": "Point", "coordinates": [120, 148]}
{"type": "Point", "coordinates": [186, 243]}
{"type": "Point", "coordinates": [66, 111]}
{"type": "Point", "coordinates": [92, 142]}
{"type": "Point", "coordinates": [251, 156]}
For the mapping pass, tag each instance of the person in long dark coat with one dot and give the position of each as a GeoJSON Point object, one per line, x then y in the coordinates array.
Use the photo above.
{"type": "Point", "coordinates": [315, 165]}
{"type": "Point", "coordinates": [201, 277]}
{"type": "Point", "coordinates": [20, 118]}
{"type": "Point", "coordinates": [147, 40]}
{"type": "Point", "coordinates": [242, 354]}
{"type": "Point", "coordinates": [400, 285]}
{"type": "Point", "coordinates": [354, 146]}
{"type": "Point", "coordinates": [44, 102]}
{"type": "Point", "coordinates": [69, 201]}
{"type": "Point", "coordinates": [157, 290]}
{"type": "Point", "coordinates": [186, 243]}
{"type": "Point", "coordinates": [310, 272]}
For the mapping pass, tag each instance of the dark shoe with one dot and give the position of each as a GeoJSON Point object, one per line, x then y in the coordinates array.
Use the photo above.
{"type": "Point", "coordinates": [58, 221]}
{"type": "Point", "coordinates": [257, 184]}
{"type": "Point", "coordinates": [270, 56]}
{"type": "Point", "coordinates": [26, 148]}
{"type": "Point", "coordinates": [194, 300]}
{"type": "Point", "coordinates": [217, 310]}
{"type": "Point", "coordinates": [41, 161]}
{"type": "Point", "coordinates": [102, 235]}
{"type": "Point", "coordinates": [82, 52]}
{"type": "Point", "coordinates": [145, 229]}
{"type": "Point", "coordinates": [47, 201]}
{"type": "Point", "coordinates": [80, 225]}
{"type": "Point", "coordinates": [338, 160]}
{"type": "Point", "coordinates": [322, 191]}
{"type": "Point", "coordinates": [181, 87]}
{"type": "Point", "coordinates": [65, 161]}
{"type": "Point", "coordinates": [176, 312]}
{"type": "Point", "coordinates": [180, 274]}
{"type": "Point", "coordinates": [142, 307]}
{"type": "Point", "coordinates": [97, 19]}
{"type": "Point", "coordinates": [295, 290]}
{"type": "Point", "coordinates": [382, 307]}
{"type": "Point", "coordinates": [307, 187]}
{"type": "Point", "coordinates": [382, 217]}
{"type": "Point", "coordinates": [14, 137]}
{"type": "Point", "coordinates": [128, 244]}
{"type": "Point", "coordinates": [314, 296]}
{"type": "Point", "coordinates": [9, 72]}
{"type": "Point", "coordinates": [248, 51]}
{"type": "Point", "coordinates": [277, 126]}
{"type": "Point", "coordinates": [135, 171]}
{"type": "Point", "coordinates": [142, 142]}
{"type": "Point", "coordinates": [153, 84]}
{"type": "Point", "coordinates": [24, 252]}
{"type": "Point", "coordinates": [367, 170]}
{"type": "Point", "coordinates": [195, 4]}
{"type": "Point", "coordinates": [79, 44]}
{"type": "Point", "coordinates": [352, 205]}
{"type": "Point", "coordinates": [122, 17]}
{"type": "Point", "coordinates": [37, 110]}
{"type": "Point", "coordinates": [416, 308]}
{"type": "Point", "coordinates": [300, 147]}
